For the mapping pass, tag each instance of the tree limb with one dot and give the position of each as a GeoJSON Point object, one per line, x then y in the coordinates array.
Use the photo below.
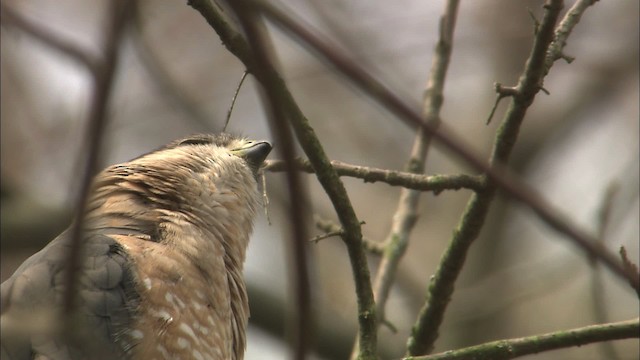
{"type": "Point", "coordinates": [441, 287]}
{"type": "Point", "coordinates": [513, 348]}
{"type": "Point", "coordinates": [405, 216]}
{"type": "Point", "coordinates": [496, 171]}
{"type": "Point", "coordinates": [434, 183]}
{"type": "Point", "coordinates": [325, 173]}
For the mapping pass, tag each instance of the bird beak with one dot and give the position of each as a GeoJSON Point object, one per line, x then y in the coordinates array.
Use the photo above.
{"type": "Point", "coordinates": [254, 153]}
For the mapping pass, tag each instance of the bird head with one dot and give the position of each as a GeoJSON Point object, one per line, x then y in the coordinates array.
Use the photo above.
{"type": "Point", "coordinates": [206, 180]}
{"type": "Point", "coordinates": [252, 152]}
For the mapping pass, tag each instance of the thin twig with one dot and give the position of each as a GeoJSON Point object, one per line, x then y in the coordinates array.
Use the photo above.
{"type": "Point", "coordinates": [494, 108]}
{"type": "Point", "coordinates": [327, 235]}
{"type": "Point", "coordinates": [330, 227]}
{"type": "Point", "coordinates": [265, 196]}
{"type": "Point", "coordinates": [513, 348]}
{"type": "Point", "coordinates": [501, 93]}
{"type": "Point", "coordinates": [233, 100]}
{"type": "Point", "coordinates": [570, 20]}
{"type": "Point", "coordinates": [434, 183]}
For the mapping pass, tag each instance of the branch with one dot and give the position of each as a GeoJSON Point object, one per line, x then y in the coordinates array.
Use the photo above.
{"type": "Point", "coordinates": [231, 39]}
{"type": "Point", "coordinates": [441, 287]}
{"type": "Point", "coordinates": [103, 77]}
{"type": "Point", "coordinates": [513, 348]}
{"type": "Point", "coordinates": [496, 172]}
{"type": "Point", "coordinates": [265, 71]}
{"type": "Point", "coordinates": [434, 183]}
{"type": "Point", "coordinates": [563, 31]}
{"type": "Point", "coordinates": [405, 216]}
{"type": "Point", "coordinates": [325, 173]}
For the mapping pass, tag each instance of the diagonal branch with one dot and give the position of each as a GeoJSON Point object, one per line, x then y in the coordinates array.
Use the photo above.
{"type": "Point", "coordinates": [405, 216]}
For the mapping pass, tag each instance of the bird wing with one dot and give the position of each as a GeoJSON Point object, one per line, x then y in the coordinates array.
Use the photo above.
{"type": "Point", "coordinates": [106, 300]}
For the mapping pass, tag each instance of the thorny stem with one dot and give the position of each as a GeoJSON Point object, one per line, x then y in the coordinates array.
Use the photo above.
{"type": "Point", "coordinates": [563, 31]}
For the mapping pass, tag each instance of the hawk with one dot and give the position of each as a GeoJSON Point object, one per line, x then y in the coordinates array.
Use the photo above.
{"type": "Point", "coordinates": [164, 243]}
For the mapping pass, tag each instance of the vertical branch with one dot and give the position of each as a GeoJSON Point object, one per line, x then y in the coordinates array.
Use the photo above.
{"type": "Point", "coordinates": [405, 215]}
{"type": "Point", "coordinates": [265, 71]}
{"type": "Point", "coordinates": [103, 75]}
{"type": "Point", "coordinates": [325, 173]}
{"type": "Point", "coordinates": [101, 69]}
{"type": "Point", "coordinates": [441, 287]}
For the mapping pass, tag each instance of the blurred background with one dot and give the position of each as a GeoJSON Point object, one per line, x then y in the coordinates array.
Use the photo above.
{"type": "Point", "coordinates": [175, 78]}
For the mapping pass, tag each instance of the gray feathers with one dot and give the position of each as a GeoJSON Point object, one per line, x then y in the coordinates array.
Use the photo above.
{"type": "Point", "coordinates": [36, 289]}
